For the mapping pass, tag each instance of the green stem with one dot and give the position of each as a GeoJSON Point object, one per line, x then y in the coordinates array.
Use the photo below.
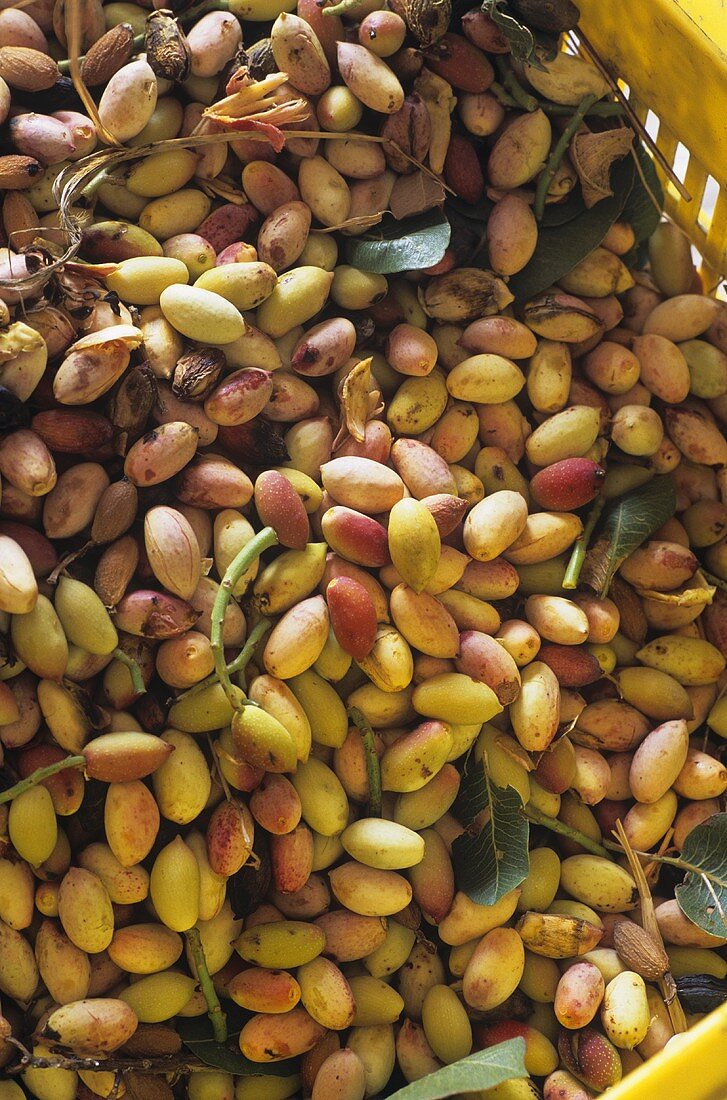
{"type": "Point", "coordinates": [238, 665]}
{"type": "Point", "coordinates": [244, 657]}
{"type": "Point", "coordinates": [673, 861]}
{"type": "Point", "coordinates": [556, 826]}
{"type": "Point", "coordinates": [373, 770]}
{"type": "Point", "coordinates": [578, 555]}
{"type": "Point", "coordinates": [214, 1008]}
{"type": "Point", "coordinates": [598, 110]}
{"type": "Point", "coordinates": [501, 95]}
{"type": "Point", "coordinates": [239, 565]}
{"type": "Point", "coordinates": [137, 681]}
{"type": "Point", "coordinates": [88, 193]}
{"type": "Point", "coordinates": [546, 176]}
{"type": "Point", "coordinates": [39, 775]}
{"type": "Point", "coordinates": [514, 87]}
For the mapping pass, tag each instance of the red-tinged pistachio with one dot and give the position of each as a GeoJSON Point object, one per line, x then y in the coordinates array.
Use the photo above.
{"type": "Point", "coordinates": [353, 616]}
{"type": "Point", "coordinates": [483, 32]}
{"type": "Point", "coordinates": [70, 506]}
{"type": "Point", "coordinates": [66, 787]}
{"type": "Point", "coordinates": [561, 1085]}
{"type": "Point", "coordinates": [590, 1057]}
{"type": "Point", "coordinates": [161, 453]}
{"type": "Point", "coordinates": [121, 757]}
{"type": "Point", "coordinates": [291, 859]}
{"type": "Point", "coordinates": [422, 470]}
{"type": "Point", "coordinates": [573, 665]}
{"type": "Point", "coordinates": [172, 550]}
{"type": "Point", "coordinates": [460, 63]}
{"type": "Point", "coordinates": [149, 614]}
{"type": "Point", "coordinates": [212, 481]}
{"type": "Point", "coordinates": [94, 1026]}
{"type": "Point", "coordinates": [463, 172]}
{"type": "Point", "coordinates": [280, 507]}
{"type": "Point", "coordinates": [94, 364]}
{"type": "Point", "coordinates": [227, 224]}
{"type": "Point", "coordinates": [43, 137]}
{"type": "Point", "coordinates": [484, 659]}
{"type": "Point", "coordinates": [240, 396]}
{"type": "Point", "coordinates": [230, 836]}
{"type": "Point", "coordinates": [696, 434]}
{"type": "Point", "coordinates": [338, 567]}
{"type": "Point", "coordinates": [356, 537]}
{"type": "Point", "coordinates": [39, 550]}
{"type": "Point", "coordinates": [448, 511]}
{"type": "Point", "coordinates": [27, 463]}
{"type": "Point", "coordinates": [324, 347]}
{"type": "Point", "coordinates": [567, 485]}
{"type": "Point", "coordinates": [72, 432]}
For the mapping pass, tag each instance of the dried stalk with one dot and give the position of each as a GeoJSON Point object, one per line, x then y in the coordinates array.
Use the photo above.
{"type": "Point", "coordinates": [667, 985]}
{"type": "Point", "coordinates": [116, 1063]}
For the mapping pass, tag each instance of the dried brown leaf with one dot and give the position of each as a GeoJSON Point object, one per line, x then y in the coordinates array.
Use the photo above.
{"type": "Point", "coordinates": [414, 194]}
{"type": "Point", "coordinates": [593, 155]}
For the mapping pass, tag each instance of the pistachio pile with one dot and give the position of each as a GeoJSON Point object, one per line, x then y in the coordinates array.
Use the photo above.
{"type": "Point", "coordinates": [308, 571]}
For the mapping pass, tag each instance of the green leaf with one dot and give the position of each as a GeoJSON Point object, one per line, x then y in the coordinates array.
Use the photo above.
{"type": "Point", "coordinates": [489, 859]}
{"type": "Point", "coordinates": [640, 211]}
{"type": "Point", "coordinates": [521, 38]}
{"type": "Point", "coordinates": [561, 247]}
{"type": "Point", "coordinates": [702, 897]}
{"type": "Point", "coordinates": [196, 1033]}
{"type": "Point", "coordinates": [401, 246]}
{"type": "Point", "coordinates": [630, 520]}
{"type": "Point", "coordinates": [558, 213]}
{"type": "Point", "coordinates": [483, 1070]}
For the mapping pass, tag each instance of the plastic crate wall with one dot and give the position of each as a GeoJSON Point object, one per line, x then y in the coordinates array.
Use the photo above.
{"type": "Point", "coordinates": [670, 59]}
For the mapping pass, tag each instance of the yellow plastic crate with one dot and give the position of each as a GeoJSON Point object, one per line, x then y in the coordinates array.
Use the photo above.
{"type": "Point", "coordinates": [692, 1068]}
{"type": "Point", "coordinates": [670, 59]}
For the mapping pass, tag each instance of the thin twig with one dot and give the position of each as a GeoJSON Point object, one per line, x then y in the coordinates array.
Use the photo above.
{"type": "Point", "coordinates": [546, 176]}
{"type": "Point", "coordinates": [578, 554]}
{"type": "Point", "coordinates": [39, 775]}
{"type": "Point", "coordinates": [651, 925]}
{"type": "Point", "coordinates": [556, 826]}
{"type": "Point", "coordinates": [237, 567]}
{"type": "Point", "coordinates": [58, 1059]}
{"type": "Point", "coordinates": [373, 769]}
{"type": "Point", "coordinates": [137, 681]}
{"type": "Point", "coordinates": [214, 1008]}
